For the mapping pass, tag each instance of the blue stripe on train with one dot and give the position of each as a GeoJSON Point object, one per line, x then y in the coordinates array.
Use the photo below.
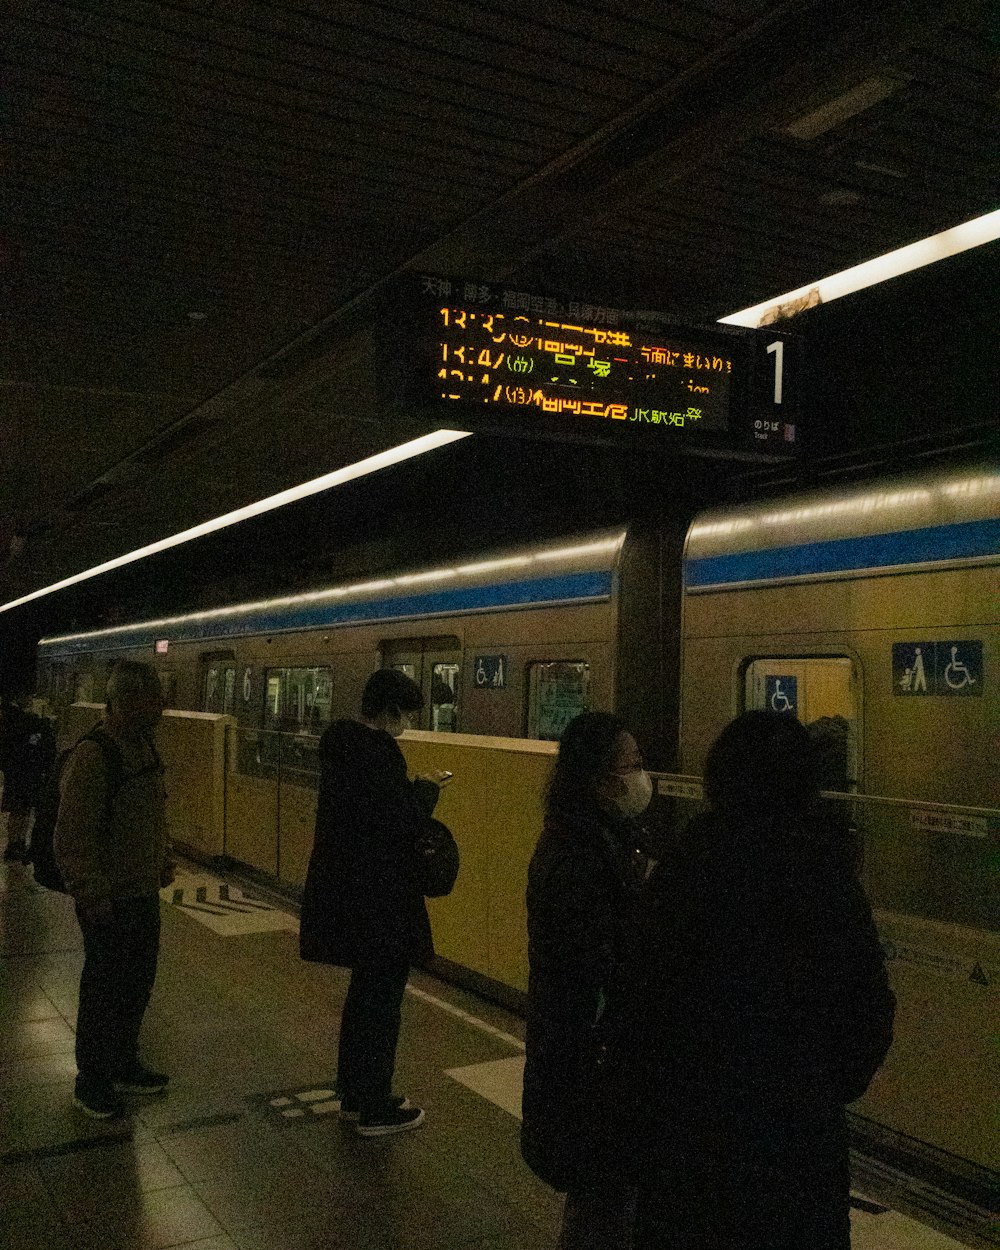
{"type": "Point", "coordinates": [567, 588]}
{"type": "Point", "coordinates": [961, 541]}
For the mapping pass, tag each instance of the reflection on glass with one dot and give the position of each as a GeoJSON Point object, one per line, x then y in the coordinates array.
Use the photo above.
{"type": "Point", "coordinates": [229, 691]}
{"type": "Point", "coordinates": [444, 698]}
{"type": "Point", "coordinates": [557, 691]}
{"type": "Point", "coordinates": [297, 704]}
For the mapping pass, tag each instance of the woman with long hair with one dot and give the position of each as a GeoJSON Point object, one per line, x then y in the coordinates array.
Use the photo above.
{"type": "Point", "coordinates": [770, 1009]}
{"type": "Point", "coordinates": [579, 1131]}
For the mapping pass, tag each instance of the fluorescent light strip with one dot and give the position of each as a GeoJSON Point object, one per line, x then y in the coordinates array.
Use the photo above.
{"type": "Point", "coordinates": [384, 459]}
{"type": "Point", "coordinates": [969, 234]}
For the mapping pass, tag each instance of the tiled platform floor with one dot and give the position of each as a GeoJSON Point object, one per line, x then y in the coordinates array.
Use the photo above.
{"type": "Point", "coordinates": [232, 1158]}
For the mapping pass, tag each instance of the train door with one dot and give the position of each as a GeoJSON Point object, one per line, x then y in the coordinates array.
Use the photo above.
{"type": "Point", "coordinates": [435, 664]}
{"type": "Point", "coordinates": [824, 693]}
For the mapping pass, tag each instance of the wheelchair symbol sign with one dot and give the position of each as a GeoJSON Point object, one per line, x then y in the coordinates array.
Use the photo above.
{"type": "Point", "coordinates": [960, 667]}
{"type": "Point", "coordinates": [781, 694]}
{"type": "Point", "coordinates": [953, 668]}
{"type": "Point", "coordinates": [489, 672]}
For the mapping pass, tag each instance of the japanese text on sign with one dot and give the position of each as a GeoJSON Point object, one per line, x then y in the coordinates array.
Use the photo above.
{"type": "Point", "coordinates": [523, 360]}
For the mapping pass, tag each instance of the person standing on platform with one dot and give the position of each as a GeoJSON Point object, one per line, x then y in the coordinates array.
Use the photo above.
{"type": "Point", "coordinates": [769, 1007]}
{"type": "Point", "coordinates": [27, 752]}
{"type": "Point", "coordinates": [582, 1109]}
{"type": "Point", "coordinates": [362, 907]}
{"type": "Point", "coordinates": [110, 844]}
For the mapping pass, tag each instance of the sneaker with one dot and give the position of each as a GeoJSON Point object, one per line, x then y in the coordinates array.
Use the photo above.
{"type": "Point", "coordinates": [97, 1099]}
{"type": "Point", "coordinates": [138, 1079]}
{"type": "Point", "coordinates": [393, 1120]}
{"type": "Point", "coordinates": [349, 1109]}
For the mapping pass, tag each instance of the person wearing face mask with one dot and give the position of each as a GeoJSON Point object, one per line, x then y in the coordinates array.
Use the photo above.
{"type": "Point", "coordinates": [585, 883]}
{"type": "Point", "coordinates": [362, 907]}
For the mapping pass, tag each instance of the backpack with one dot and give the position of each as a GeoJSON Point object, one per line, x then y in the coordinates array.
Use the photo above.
{"type": "Point", "coordinates": [437, 858]}
{"type": "Point", "coordinates": [41, 854]}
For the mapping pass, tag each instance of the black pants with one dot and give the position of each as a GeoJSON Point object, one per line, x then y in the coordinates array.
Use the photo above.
{"type": "Point", "coordinates": [119, 968]}
{"type": "Point", "coordinates": [369, 1031]}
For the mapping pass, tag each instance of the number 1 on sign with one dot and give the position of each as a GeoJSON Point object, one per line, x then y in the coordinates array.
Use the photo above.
{"type": "Point", "coordinates": [778, 348]}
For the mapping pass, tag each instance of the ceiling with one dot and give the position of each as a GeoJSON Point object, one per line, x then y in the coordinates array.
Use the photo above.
{"type": "Point", "coordinates": [204, 201]}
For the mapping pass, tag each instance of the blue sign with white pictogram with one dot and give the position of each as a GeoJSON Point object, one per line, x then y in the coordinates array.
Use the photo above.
{"type": "Point", "coordinates": [953, 668]}
{"type": "Point", "coordinates": [960, 668]}
{"type": "Point", "coordinates": [781, 694]}
{"type": "Point", "coordinates": [913, 668]}
{"type": "Point", "coordinates": [489, 672]}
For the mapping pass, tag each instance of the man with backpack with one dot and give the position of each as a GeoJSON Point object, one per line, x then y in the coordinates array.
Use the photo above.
{"type": "Point", "coordinates": [27, 749]}
{"type": "Point", "coordinates": [110, 844]}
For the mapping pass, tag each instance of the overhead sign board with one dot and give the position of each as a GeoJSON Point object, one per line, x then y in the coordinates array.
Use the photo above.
{"type": "Point", "coordinates": [491, 356]}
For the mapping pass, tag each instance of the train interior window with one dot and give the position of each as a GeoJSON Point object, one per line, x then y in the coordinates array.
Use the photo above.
{"type": "Point", "coordinates": [83, 687]}
{"type": "Point", "coordinates": [298, 700]}
{"type": "Point", "coordinates": [557, 691]}
{"type": "Point", "coordinates": [220, 685]}
{"type": "Point", "coordinates": [444, 697]}
{"type": "Point", "coordinates": [435, 664]}
{"type": "Point", "coordinates": [168, 686]}
{"type": "Point", "coordinates": [823, 693]}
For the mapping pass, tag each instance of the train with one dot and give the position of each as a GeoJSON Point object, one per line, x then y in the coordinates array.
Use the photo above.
{"type": "Point", "coordinates": [870, 610]}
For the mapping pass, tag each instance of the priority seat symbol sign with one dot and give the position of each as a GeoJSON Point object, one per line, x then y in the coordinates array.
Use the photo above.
{"type": "Point", "coordinates": [950, 669]}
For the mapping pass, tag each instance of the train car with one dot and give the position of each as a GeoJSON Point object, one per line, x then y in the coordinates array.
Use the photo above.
{"type": "Point", "coordinates": [507, 644]}
{"type": "Point", "coordinates": [873, 614]}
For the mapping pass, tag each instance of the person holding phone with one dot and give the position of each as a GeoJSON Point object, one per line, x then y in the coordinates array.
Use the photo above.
{"type": "Point", "coordinates": [363, 907]}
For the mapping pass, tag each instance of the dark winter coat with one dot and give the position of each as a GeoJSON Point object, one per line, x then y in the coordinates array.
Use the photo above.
{"type": "Point", "coordinates": [27, 752]}
{"type": "Point", "coordinates": [771, 1010]}
{"type": "Point", "coordinates": [584, 882]}
{"type": "Point", "coordinates": [362, 906]}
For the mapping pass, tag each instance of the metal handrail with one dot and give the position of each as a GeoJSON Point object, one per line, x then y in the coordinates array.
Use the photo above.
{"type": "Point", "coordinates": [960, 809]}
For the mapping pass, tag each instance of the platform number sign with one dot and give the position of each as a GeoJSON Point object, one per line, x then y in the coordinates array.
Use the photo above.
{"type": "Point", "coordinates": [781, 694]}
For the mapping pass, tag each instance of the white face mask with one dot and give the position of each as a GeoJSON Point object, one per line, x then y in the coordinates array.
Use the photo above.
{"type": "Point", "coordinates": [638, 792]}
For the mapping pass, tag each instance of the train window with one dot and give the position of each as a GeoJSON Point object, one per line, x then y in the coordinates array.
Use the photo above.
{"type": "Point", "coordinates": [823, 693]}
{"type": "Point", "coordinates": [298, 700]}
{"type": "Point", "coordinates": [557, 691]}
{"type": "Point", "coordinates": [434, 664]}
{"type": "Point", "coordinates": [444, 697]}
{"type": "Point", "coordinates": [168, 686]}
{"type": "Point", "coordinates": [220, 687]}
{"type": "Point", "coordinates": [83, 687]}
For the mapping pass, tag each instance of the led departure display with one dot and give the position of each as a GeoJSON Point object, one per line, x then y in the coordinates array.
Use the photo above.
{"type": "Point", "coordinates": [507, 359]}
{"type": "Point", "coordinates": [585, 371]}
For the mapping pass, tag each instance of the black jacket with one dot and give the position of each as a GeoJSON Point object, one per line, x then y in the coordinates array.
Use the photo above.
{"type": "Point", "coordinates": [584, 883]}
{"type": "Point", "coordinates": [362, 906]}
{"type": "Point", "coordinates": [769, 1009]}
{"type": "Point", "coordinates": [27, 752]}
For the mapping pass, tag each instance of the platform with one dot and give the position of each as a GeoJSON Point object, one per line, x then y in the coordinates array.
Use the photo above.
{"type": "Point", "coordinates": [246, 1151]}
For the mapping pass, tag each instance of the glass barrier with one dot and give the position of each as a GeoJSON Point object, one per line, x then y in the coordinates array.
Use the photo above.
{"type": "Point", "coordinates": [285, 757]}
{"type": "Point", "coordinates": [934, 861]}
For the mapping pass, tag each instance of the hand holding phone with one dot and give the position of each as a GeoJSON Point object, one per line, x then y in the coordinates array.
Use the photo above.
{"type": "Point", "coordinates": [439, 776]}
